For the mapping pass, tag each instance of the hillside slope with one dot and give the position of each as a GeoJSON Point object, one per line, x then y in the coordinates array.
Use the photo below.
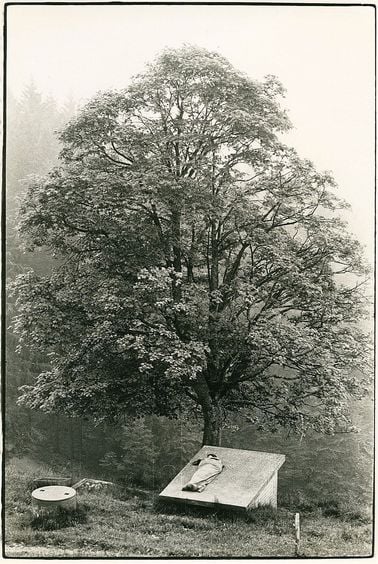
{"type": "Point", "coordinates": [131, 524]}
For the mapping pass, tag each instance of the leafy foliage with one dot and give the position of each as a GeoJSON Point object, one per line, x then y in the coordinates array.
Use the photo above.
{"type": "Point", "coordinates": [200, 264]}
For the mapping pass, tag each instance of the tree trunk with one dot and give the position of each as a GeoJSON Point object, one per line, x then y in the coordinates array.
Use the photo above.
{"type": "Point", "coordinates": [211, 410]}
{"type": "Point", "coordinates": [212, 416]}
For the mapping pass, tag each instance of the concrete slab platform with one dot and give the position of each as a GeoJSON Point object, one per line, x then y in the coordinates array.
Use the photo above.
{"type": "Point", "coordinates": [238, 486]}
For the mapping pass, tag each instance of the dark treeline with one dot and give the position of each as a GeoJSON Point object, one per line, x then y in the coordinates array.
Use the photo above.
{"type": "Point", "coordinates": [32, 149]}
{"type": "Point", "coordinates": [147, 452]}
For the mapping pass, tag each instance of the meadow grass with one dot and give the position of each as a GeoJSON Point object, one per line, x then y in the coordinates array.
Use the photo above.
{"type": "Point", "coordinates": [129, 523]}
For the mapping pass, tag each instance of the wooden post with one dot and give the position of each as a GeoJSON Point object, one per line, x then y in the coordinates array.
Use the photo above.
{"type": "Point", "coordinates": [297, 533]}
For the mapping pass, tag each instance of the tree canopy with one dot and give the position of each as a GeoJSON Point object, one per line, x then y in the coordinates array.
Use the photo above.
{"type": "Point", "coordinates": [200, 264]}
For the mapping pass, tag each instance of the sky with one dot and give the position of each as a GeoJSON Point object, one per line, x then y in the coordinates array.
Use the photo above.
{"type": "Point", "coordinates": [324, 56]}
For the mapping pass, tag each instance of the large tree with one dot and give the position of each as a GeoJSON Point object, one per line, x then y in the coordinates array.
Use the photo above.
{"type": "Point", "coordinates": [200, 264]}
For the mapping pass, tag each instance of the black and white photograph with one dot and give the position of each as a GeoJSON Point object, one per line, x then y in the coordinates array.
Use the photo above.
{"type": "Point", "coordinates": [188, 253]}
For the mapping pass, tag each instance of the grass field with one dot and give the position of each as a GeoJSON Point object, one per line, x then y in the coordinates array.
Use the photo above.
{"type": "Point", "coordinates": [133, 524]}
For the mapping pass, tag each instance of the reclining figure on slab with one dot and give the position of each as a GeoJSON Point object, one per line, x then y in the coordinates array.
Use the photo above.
{"type": "Point", "coordinates": [208, 469]}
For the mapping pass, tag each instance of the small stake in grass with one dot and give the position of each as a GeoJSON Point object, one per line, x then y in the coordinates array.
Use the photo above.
{"type": "Point", "coordinates": [297, 533]}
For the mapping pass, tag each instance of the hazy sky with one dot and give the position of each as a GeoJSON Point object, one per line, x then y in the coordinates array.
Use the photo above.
{"type": "Point", "coordinates": [324, 56]}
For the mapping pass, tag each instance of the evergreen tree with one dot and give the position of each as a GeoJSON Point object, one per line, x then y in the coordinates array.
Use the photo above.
{"type": "Point", "coordinates": [32, 148]}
